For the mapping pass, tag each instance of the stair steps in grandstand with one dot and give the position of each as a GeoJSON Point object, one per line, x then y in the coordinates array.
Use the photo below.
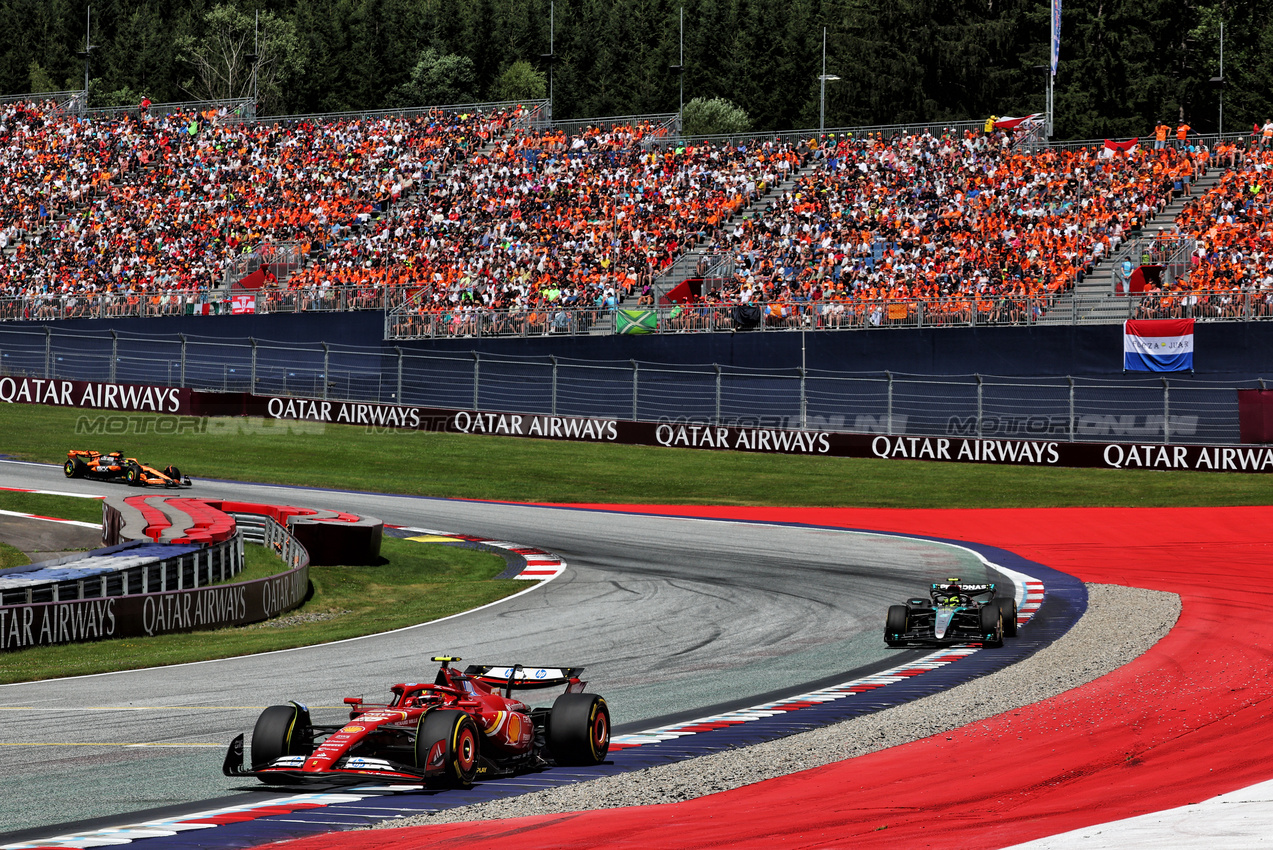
{"type": "Point", "coordinates": [686, 265]}
{"type": "Point", "coordinates": [1093, 301]}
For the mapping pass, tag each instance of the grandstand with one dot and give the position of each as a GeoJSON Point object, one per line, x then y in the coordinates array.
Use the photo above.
{"type": "Point", "coordinates": [484, 219]}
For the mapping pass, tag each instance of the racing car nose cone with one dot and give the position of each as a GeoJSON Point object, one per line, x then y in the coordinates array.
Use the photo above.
{"type": "Point", "coordinates": [941, 621]}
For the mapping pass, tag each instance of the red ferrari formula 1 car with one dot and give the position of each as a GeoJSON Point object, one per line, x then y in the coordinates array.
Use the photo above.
{"type": "Point", "coordinates": [462, 727]}
{"type": "Point", "coordinates": [113, 466]}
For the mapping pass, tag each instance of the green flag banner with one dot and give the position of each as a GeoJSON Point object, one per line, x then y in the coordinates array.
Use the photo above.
{"type": "Point", "coordinates": [635, 321]}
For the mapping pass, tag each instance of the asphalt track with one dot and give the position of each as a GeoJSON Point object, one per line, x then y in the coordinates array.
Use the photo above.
{"type": "Point", "coordinates": [671, 616]}
{"type": "Point", "coordinates": [1175, 749]}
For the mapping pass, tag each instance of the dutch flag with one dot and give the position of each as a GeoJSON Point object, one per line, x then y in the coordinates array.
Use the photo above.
{"type": "Point", "coordinates": [1158, 345]}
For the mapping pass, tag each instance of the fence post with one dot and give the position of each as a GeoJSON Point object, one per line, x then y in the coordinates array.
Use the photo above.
{"type": "Point", "coordinates": [889, 419]}
{"type": "Point", "coordinates": [1166, 412]}
{"type": "Point", "coordinates": [977, 375]}
{"type": "Point", "coordinates": [326, 365]}
{"type": "Point", "coordinates": [48, 352]}
{"type": "Point", "coordinates": [252, 388]}
{"type": "Point", "coordinates": [635, 370]}
{"type": "Point", "coordinates": [1070, 378]}
{"type": "Point", "coordinates": [477, 377]}
{"type": "Point", "coordinates": [114, 356]}
{"type": "Point", "coordinates": [718, 382]}
{"type": "Point", "coordinates": [397, 396]}
{"type": "Point", "coordinates": [804, 401]}
{"type": "Point", "coordinates": [183, 359]}
{"type": "Point", "coordinates": [553, 358]}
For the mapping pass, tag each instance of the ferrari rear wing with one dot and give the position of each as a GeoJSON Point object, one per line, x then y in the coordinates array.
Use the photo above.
{"type": "Point", "coordinates": [516, 677]}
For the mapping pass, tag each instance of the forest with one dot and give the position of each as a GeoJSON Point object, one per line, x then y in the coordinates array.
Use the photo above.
{"type": "Point", "coordinates": [1124, 64]}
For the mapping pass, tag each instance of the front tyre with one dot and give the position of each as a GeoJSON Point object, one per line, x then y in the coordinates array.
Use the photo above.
{"type": "Point", "coordinates": [1008, 608]}
{"type": "Point", "coordinates": [281, 730]}
{"type": "Point", "coordinates": [447, 739]}
{"type": "Point", "coordinates": [991, 625]}
{"type": "Point", "coordinates": [895, 625]}
{"type": "Point", "coordinates": [579, 730]}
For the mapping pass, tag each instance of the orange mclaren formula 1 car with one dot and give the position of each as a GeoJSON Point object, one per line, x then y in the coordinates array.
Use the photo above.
{"type": "Point", "coordinates": [113, 466]}
{"type": "Point", "coordinates": [460, 728]}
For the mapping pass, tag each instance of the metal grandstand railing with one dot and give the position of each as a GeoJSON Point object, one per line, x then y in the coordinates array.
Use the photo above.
{"type": "Point", "coordinates": [1171, 251]}
{"type": "Point", "coordinates": [885, 131]}
{"type": "Point", "coordinates": [533, 112]}
{"type": "Point", "coordinates": [235, 109]}
{"type": "Point", "coordinates": [281, 258]}
{"type": "Point", "coordinates": [71, 100]}
{"type": "Point", "coordinates": [191, 302]}
{"type": "Point", "coordinates": [659, 126]}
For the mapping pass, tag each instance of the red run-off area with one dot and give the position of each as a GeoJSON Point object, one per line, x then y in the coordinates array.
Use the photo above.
{"type": "Point", "coordinates": [1188, 720]}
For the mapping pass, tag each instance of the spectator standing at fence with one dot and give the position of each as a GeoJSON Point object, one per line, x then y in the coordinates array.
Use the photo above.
{"type": "Point", "coordinates": [1182, 133]}
{"type": "Point", "coordinates": [1160, 136]}
{"type": "Point", "coordinates": [1266, 133]}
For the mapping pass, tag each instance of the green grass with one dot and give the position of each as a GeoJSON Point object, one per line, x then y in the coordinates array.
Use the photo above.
{"type": "Point", "coordinates": [62, 507]}
{"type": "Point", "coordinates": [419, 582]}
{"type": "Point", "coordinates": [480, 467]}
{"type": "Point", "coordinates": [10, 557]}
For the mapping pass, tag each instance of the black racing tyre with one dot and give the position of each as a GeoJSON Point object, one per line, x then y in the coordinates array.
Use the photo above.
{"type": "Point", "coordinates": [1008, 608]}
{"type": "Point", "coordinates": [71, 470]}
{"type": "Point", "coordinates": [281, 730]}
{"type": "Point", "coordinates": [895, 625]}
{"type": "Point", "coordinates": [991, 625]}
{"type": "Point", "coordinates": [579, 729]}
{"type": "Point", "coordinates": [133, 475]}
{"type": "Point", "coordinates": [456, 735]}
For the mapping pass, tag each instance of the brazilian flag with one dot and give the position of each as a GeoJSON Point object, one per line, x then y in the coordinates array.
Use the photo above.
{"type": "Point", "coordinates": [635, 321]}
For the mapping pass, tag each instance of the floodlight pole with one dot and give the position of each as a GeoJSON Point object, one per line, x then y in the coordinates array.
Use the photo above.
{"type": "Point", "coordinates": [88, 48]}
{"type": "Point", "coordinates": [822, 82]}
{"type": "Point", "coordinates": [823, 78]}
{"type": "Point", "coordinates": [256, 61]}
{"type": "Point", "coordinates": [552, 28]}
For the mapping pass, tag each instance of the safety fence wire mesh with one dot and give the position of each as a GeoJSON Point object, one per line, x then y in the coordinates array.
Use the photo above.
{"type": "Point", "coordinates": [1132, 407]}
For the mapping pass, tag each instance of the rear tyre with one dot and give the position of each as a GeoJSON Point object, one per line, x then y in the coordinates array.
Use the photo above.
{"type": "Point", "coordinates": [281, 730]}
{"type": "Point", "coordinates": [579, 729]}
{"type": "Point", "coordinates": [1008, 608]}
{"type": "Point", "coordinates": [133, 476]}
{"type": "Point", "coordinates": [448, 738]}
{"type": "Point", "coordinates": [70, 469]}
{"type": "Point", "coordinates": [991, 625]}
{"type": "Point", "coordinates": [895, 625]}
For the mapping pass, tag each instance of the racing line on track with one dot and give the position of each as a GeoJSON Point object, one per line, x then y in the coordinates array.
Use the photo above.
{"type": "Point", "coordinates": [1049, 603]}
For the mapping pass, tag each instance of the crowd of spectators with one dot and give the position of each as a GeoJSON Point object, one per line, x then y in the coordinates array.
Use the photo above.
{"type": "Point", "coordinates": [475, 223]}
{"type": "Point", "coordinates": [882, 229]}
{"type": "Point", "coordinates": [1231, 269]}
{"type": "Point", "coordinates": [139, 213]}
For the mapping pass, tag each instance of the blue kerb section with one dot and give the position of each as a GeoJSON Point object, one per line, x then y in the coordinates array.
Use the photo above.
{"type": "Point", "coordinates": [1064, 602]}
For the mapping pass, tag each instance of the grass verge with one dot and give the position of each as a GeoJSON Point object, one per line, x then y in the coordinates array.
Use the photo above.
{"type": "Point", "coordinates": [62, 507]}
{"type": "Point", "coordinates": [11, 557]}
{"type": "Point", "coordinates": [479, 467]}
{"type": "Point", "coordinates": [420, 582]}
